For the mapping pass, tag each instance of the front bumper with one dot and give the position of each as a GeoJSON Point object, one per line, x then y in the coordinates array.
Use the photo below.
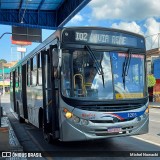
{"type": "Point", "coordinates": [78, 132]}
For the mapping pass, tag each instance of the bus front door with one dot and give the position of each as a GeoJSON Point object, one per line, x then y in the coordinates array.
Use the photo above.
{"type": "Point", "coordinates": [14, 91]}
{"type": "Point", "coordinates": [24, 89]}
{"type": "Point", "coordinates": [49, 113]}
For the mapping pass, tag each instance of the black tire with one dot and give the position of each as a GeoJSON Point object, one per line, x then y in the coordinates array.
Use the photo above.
{"type": "Point", "coordinates": [20, 119]}
{"type": "Point", "coordinates": [47, 136]}
{"type": "Point", "coordinates": [47, 133]}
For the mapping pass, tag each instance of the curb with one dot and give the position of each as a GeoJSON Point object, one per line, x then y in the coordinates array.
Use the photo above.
{"type": "Point", "coordinates": [13, 143]}
{"type": "Point", "coordinates": [152, 106]}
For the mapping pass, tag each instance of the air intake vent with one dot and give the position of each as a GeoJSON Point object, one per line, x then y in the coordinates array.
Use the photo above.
{"type": "Point", "coordinates": [110, 121]}
{"type": "Point", "coordinates": [110, 108]}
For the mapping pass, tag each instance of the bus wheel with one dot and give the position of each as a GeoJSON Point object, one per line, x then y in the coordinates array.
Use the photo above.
{"type": "Point", "coordinates": [48, 137]}
{"type": "Point", "coordinates": [21, 120]}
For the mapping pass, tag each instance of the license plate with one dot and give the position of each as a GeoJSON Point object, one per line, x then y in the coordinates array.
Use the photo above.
{"type": "Point", "coordinates": [114, 130]}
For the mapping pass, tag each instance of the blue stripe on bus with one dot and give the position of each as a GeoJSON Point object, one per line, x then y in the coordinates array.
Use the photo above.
{"type": "Point", "coordinates": [125, 115]}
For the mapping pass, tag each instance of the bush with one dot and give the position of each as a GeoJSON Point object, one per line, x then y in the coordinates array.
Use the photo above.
{"type": "Point", "coordinates": [151, 80]}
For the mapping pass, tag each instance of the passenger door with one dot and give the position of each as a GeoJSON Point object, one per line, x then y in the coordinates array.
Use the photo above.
{"type": "Point", "coordinates": [49, 94]}
{"type": "Point", "coordinates": [14, 91]}
{"type": "Point", "coordinates": [24, 90]}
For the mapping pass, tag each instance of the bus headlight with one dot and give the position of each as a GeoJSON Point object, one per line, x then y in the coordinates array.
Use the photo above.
{"type": "Point", "coordinates": [68, 115]}
{"type": "Point", "coordinates": [76, 119]}
{"type": "Point", "coordinates": [84, 122]}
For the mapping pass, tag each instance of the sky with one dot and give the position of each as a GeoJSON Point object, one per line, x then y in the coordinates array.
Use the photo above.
{"type": "Point", "coordinates": [142, 17]}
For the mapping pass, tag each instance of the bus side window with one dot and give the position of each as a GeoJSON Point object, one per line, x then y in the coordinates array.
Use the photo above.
{"type": "Point", "coordinates": [39, 66]}
{"type": "Point", "coordinates": [17, 77]}
{"type": "Point", "coordinates": [11, 79]}
{"type": "Point", "coordinates": [28, 73]}
{"type": "Point", "coordinates": [34, 71]}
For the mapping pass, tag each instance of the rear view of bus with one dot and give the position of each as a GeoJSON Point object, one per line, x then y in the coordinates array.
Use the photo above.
{"type": "Point", "coordinates": [103, 91]}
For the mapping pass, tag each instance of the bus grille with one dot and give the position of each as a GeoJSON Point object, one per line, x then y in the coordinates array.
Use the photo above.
{"type": "Point", "coordinates": [103, 132]}
{"type": "Point", "coordinates": [111, 121]}
{"type": "Point", "coordinates": [110, 108]}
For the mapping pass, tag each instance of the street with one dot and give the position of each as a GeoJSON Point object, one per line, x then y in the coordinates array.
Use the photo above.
{"type": "Point", "coordinates": [154, 128]}
{"type": "Point", "coordinates": [31, 139]}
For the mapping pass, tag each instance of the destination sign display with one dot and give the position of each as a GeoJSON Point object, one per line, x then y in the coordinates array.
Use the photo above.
{"type": "Point", "coordinates": [102, 37]}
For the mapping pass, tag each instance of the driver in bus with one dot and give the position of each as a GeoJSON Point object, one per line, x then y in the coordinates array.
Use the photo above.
{"type": "Point", "coordinates": [90, 75]}
{"type": "Point", "coordinates": [89, 78]}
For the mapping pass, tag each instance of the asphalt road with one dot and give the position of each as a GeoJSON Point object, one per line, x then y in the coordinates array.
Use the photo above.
{"type": "Point", "coordinates": [31, 139]}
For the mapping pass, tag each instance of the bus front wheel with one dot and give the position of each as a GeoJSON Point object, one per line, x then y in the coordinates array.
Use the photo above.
{"type": "Point", "coordinates": [48, 137]}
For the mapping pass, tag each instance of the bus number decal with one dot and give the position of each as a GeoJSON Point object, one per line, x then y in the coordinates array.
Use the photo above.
{"type": "Point", "coordinates": [132, 115]}
{"type": "Point", "coordinates": [81, 36]}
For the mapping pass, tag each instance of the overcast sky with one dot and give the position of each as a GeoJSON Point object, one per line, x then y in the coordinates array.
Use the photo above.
{"type": "Point", "coordinates": [139, 16]}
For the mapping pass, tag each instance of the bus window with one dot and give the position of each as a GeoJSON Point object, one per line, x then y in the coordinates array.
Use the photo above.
{"type": "Point", "coordinates": [66, 74]}
{"type": "Point", "coordinates": [79, 83]}
{"type": "Point", "coordinates": [34, 62]}
{"type": "Point", "coordinates": [17, 77]}
{"type": "Point", "coordinates": [39, 66]}
{"type": "Point", "coordinates": [34, 70]}
{"type": "Point", "coordinates": [133, 82]}
{"type": "Point", "coordinates": [28, 73]}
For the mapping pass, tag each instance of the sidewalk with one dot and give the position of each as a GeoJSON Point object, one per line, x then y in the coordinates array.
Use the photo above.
{"type": "Point", "coordinates": [9, 141]}
{"type": "Point", "coordinates": [154, 105]}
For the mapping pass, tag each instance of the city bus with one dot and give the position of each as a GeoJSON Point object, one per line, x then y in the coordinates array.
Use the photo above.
{"type": "Point", "coordinates": [83, 83]}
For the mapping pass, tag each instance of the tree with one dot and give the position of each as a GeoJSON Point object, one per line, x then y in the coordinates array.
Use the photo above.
{"type": "Point", "coordinates": [3, 61]}
{"type": "Point", "coordinates": [151, 80]}
{"type": "Point", "coordinates": [151, 84]}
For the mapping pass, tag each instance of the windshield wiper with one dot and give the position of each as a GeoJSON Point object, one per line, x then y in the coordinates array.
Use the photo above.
{"type": "Point", "coordinates": [126, 64]}
{"type": "Point", "coordinates": [97, 65]}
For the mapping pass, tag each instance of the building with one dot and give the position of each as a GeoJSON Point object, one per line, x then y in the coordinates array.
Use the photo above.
{"type": "Point", "coordinates": [153, 67]}
{"type": "Point", "coordinates": [5, 76]}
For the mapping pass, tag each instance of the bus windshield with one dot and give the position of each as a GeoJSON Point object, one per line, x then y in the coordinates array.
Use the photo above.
{"type": "Point", "coordinates": [81, 78]}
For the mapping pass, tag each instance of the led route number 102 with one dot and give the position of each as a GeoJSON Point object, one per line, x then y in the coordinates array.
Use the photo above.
{"type": "Point", "coordinates": [100, 38]}
{"type": "Point", "coordinates": [81, 36]}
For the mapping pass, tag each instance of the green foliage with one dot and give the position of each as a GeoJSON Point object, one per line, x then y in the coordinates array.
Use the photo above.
{"type": "Point", "coordinates": [151, 80]}
{"type": "Point", "coordinates": [3, 61]}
